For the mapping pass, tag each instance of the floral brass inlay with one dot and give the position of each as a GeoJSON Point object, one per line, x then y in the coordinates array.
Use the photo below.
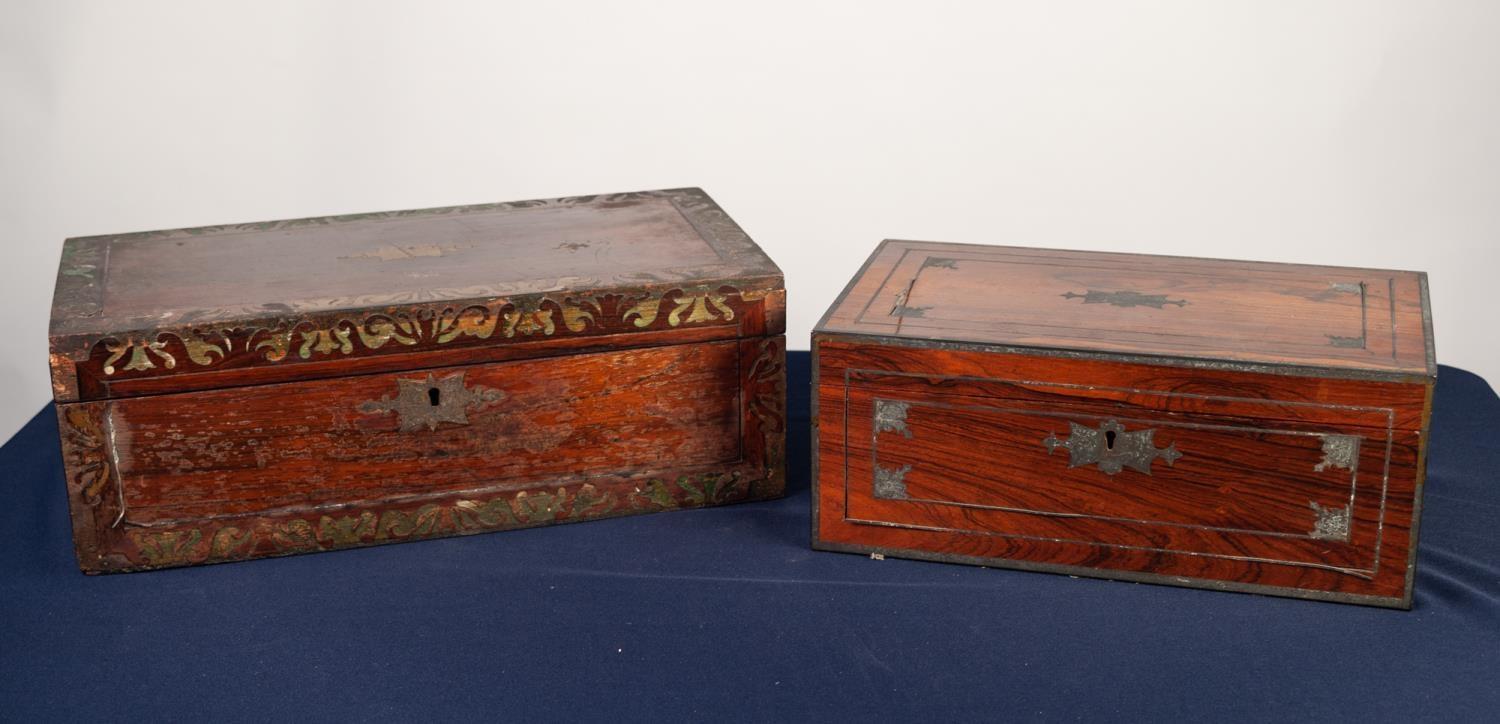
{"type": "Point", "coordinates": [702, 307]}
{"type": "Point", "coordinates": [85, 438]}
{"type": "Point", "coordinates": [141, 352]}
{"type": "Point", "coordinates": [476, 321]}
{"type": "Point", "coordinates": [529, 317]}
{"type": "Point", "coordinates": [543, 316]}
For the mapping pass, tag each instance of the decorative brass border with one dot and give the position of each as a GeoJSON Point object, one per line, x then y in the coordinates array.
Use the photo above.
{"type": "Point", "coordinates": [307, 533]}
{"type": "Point", "coordinates": [307, 339]}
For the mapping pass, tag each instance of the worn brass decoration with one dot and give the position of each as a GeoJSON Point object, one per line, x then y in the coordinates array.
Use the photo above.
{"type": "Point", "coordinates": [643, 310]}
{"type": "Point", "coordinates": [1125, 299]}
{"type": "Point", "coordinates": [700, 306]}
{"type": "Point", "coordinates": [690, 491]}
{"type": "Point", "coordinates": [690, 306]}
{"type": "Point", "coordinates": [514, 318]}
{"type": "Point", "coordinates": [529, 317]}
{"type": "Point", "coordinates": [1339, 451]}
{"type": "Point", "coordinates": [575, 316]}
{"type": "Point", "coordinates": [392, 252]}
{"type": "Point", "coordinates": [379, 329]}
{"type": "Point", "coordinates": [84, 444]}
{"type": "Point", "coordinates": [1111, 447]}
{"type": "Point", "coordinates": [890, 483]}
{"type": "Point", "coordinates": [474, 321]}
{"type": "Point", "coordinates": [276, 342]}
{"type": "Point", "coordinates": [175, 547]}
{"type": "Point", "coordinates": [202, 351]}
{"type": "Point", "coordinates": [1332, 523]}
{"type": "Point", "coordinates": [325, 341]}
{"type": "Point", "coordinates": [141, 352]}
{"type": "Point", "coordinates": [891, 417]}
{"type": "Point", "coordinates": [431, 401]}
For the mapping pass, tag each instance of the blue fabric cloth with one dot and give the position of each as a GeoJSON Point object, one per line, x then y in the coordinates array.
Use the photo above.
{"type": "Point", "coordinates": [727, 614]}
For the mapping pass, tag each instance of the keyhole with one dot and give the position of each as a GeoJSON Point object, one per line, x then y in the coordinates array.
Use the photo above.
{"type": "Point", "coordinates": [1109, 437]}
{"type": "Point", "coordinates": [434, 396]}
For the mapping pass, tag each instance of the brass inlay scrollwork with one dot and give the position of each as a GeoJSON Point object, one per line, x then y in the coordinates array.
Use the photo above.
{"type": "Point", "coordinates": [204, 352]}
{"type": "Point", "coordinates": [141, 352]}
{"type": "Point", "coordinates": [474, 321]}
{"type": "Point", "coordinates": [325, 341]}
{"type": "Point", "coordinates": [541, 316]}
{"type": "Point", "coordinates": [176, 547]}
{"type": "Point", "coordinates": [700, 307]}
{"type": "Point", "coordinates": [575, 316]}
{"type": "Point", "coordinates": [529, 317]}
{"type": "Point", "coordinates": [84, 439]}
{"type": "Point", "coordinates": [380, 329]}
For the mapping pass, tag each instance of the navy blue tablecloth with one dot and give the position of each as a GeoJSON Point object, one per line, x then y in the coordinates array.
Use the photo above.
{"type": "Point", "coordinates": [727, 614]}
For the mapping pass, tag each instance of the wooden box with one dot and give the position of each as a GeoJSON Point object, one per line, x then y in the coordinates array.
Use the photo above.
{"type": "Point", "coordinates": [263, 389]}
{"type": "Point", "coordinates": [1228, 425]}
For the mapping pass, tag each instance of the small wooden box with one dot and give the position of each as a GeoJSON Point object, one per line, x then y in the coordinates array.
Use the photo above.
{"type": "Point", "coordinates": [1229, 425]}
{"type": "Point", "coordinates": [264, 389]}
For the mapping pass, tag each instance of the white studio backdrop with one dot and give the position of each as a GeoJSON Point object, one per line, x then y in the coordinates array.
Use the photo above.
{"type": "Point", "coordinates": [1355, 133]}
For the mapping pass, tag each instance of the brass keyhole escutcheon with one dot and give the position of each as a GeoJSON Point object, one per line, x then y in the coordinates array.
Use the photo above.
{"type": "Point", "coordinates": [430, 402]}
{"type": "Point", "coordinates": [1111, 447]}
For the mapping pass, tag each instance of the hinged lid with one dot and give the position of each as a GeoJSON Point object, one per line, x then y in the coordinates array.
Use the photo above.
{"type": "Point", "coordinates": [163, 311]}
{"type": "Point", "coordinates": [1365, 323]}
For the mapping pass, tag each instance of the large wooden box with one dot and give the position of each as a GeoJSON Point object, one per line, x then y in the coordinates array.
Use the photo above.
{"type": "Point", "coordinates": [1230, 425]}
{"type": "Point", "coordinates": [263, 389]}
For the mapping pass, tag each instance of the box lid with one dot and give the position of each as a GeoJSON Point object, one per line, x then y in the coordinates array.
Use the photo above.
{"type": "Point", "coordinates": [1366, 323]}
{"type": "Point", "coordinates": [163, 311]}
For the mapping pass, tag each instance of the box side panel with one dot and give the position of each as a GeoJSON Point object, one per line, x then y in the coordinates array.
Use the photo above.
{"type": "Point", "coordinates": [250, 472]}
{"type": "Point", "coordinates": [1294, 486]}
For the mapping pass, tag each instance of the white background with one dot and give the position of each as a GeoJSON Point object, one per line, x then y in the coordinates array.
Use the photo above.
{"type": "Point", "coordinates": [1360, 133]}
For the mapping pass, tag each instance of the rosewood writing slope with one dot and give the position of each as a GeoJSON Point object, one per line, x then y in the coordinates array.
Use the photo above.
{"type": "Point", "coordinates": [292, 386]}
{"type": "Point", "coordinates": [1231, 425]}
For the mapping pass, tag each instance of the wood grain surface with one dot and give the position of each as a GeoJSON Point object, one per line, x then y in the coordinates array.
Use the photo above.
{"type": "Point", "coordinates": [944, 454]}
{"type": "Point", "coordinates": [218, 475]}
{"type": "Point", "coordinates": [168, 311]}
{"type": "Point", "coordinates": [1364, 321]}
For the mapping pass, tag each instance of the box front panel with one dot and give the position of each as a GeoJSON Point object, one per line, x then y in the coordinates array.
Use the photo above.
{"type": "Point", "coordinates": [971, 456]}
{"type": "Point", "coordinates": [206, 476]}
